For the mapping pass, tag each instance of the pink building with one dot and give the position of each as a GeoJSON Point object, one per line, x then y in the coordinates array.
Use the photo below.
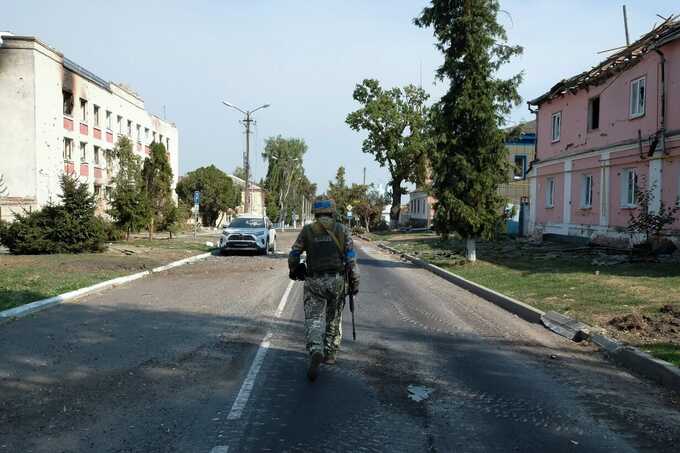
{"type": "Point", "coordinates": [602, 133]}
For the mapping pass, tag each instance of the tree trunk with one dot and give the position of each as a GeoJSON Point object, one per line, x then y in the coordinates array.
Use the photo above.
{"type": "Point", "coordinates": [396, 204]}
{"type": "Point", "coordinates": [471, 250]}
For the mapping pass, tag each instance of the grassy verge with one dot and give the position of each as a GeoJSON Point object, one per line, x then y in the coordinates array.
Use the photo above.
{"type": "Point", "coordinates": [629, 300]}
{"type": "Point", "coordinates": [25, 279]}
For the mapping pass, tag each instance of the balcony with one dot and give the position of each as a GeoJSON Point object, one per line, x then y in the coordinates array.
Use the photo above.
{"type": "Point", "coordinates": [84, 169]}
{"type": "Point", "coordinates": [68, 123]}
{"type": "Point", "coordinates": [98, 175]}
{"type": "Point", "coordinates": [109, 137]}
{"type": "Point", "coordinates": [83, 128]}
{"type": "Point", "coordinates": [97, 133]}
{"type": "Point", "coordinates": [69, 167]}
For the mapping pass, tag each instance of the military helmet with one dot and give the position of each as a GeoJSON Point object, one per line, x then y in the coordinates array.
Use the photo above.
{"type": "Point", "coordinates": [323, 206]}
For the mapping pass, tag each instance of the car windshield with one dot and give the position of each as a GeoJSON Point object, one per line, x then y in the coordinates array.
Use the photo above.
{"type": "Point", "coordinates": [247, 223]}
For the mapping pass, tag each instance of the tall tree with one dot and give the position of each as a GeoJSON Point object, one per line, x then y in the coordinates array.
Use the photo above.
{"type": "Point", "coordinates": [218, 192]}
{"type": "Point", "coordinates": [397, 124]}
{"type": "Point", "coordinates": [240, 172]}
{"type": "Point", "coordinates": [340, 193]}
{"type": "Point", "coordinates": [285, 176]}
{"type": "Point", "coordinates": [129, 207]}
{"type": "Point", "coordinates": [157, 177]}
{"type": "Point", "coordinates": [368, 204]}
{"type": "Point", "coordinates": [469, 160]}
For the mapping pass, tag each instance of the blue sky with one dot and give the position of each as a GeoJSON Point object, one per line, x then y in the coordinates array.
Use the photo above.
{"type": "Point", "coordinates": [302, 57]}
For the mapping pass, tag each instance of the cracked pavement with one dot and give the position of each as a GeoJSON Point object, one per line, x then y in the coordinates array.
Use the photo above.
{"type": "Point", "coordinates": [155, 366]}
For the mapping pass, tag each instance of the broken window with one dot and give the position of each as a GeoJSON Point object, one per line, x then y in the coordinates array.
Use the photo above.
{"type": "Point", "coordinates": [629, 188]}
{"type": "Point", "coordinates": [96, 155]}
{"type": "Point", "coordinates": [68, 149]}
{"type": "Point", "coordinates": [594, 113]}
{"type": "Point", "coordinates": [550, 193]}
{"type": "Point", "coordinates": [556, 126]}
{"type": "Point", "coordinates": [587, 192]}
{"type": "Point", "coordinates": [129, 129]}
{"type": "Point", "coordinates": [68, 102]}
{"type": "Point", "coordinates": [96, 115]}
{"type": "Point", "coordinates": [520, 169]}
{"type": "Point", "coordinates": [83, 152]}
{"type": "Point", "coordinates": [637, 97]}
{"type": "Point", "coordinates": [83, 110]}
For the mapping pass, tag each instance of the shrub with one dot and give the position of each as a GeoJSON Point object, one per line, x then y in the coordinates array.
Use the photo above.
{"type": "Point", "coordinates": [112, 232]}
{"type": "Point", "coordinates": [357, 230]}
{"type": "Point", "coordinates": [70, 227]}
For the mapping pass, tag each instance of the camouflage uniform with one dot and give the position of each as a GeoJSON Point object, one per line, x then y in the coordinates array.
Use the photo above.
{"type": "Point", "coordinates": [324, 293]}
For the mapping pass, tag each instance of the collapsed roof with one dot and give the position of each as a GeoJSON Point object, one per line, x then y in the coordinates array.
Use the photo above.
{"type": "Point", "coordinates": [631, 55]}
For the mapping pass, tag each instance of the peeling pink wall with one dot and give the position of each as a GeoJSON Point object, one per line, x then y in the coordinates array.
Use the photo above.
{"type": "Point", "coordinates": [555, 214]}
{"type": "Point", "coordinates": [619, 215]}
{"type": "Point", "coordinates": [616, 126]}
{"type": "Point", "coordinates": [671, 180]}
{"type": "Point", "coordinates": [580, 168]}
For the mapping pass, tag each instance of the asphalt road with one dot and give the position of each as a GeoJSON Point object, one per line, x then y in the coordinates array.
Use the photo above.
{"type": "Point", "coordinates": [210, 358]}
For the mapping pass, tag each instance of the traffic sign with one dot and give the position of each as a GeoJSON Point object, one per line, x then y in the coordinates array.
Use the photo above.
{"type": "Point", "coordinates": [197, 197]}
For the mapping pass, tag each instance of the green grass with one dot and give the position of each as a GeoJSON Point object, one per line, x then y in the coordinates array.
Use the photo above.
{"type": "Point", "coordinates": [25, 279]}
{"type": "Point", "coordinates": [560, 278]}
{"type": "Point", "coordinates": [664, 351]}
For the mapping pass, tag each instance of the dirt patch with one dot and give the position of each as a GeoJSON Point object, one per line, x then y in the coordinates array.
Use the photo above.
{"type": "Point", "coordinates": [663, 325]}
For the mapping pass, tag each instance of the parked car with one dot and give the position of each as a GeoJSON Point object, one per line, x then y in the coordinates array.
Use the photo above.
{"type": "Point", "coordinates": [247, 232]}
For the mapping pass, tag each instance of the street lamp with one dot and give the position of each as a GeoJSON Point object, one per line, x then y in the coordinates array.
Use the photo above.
{"type": "Point", "coordinates": [247, 121]}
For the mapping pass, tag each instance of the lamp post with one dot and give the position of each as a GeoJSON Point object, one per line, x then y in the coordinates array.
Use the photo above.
{"type": "Point", "coordinates": [247, 121]}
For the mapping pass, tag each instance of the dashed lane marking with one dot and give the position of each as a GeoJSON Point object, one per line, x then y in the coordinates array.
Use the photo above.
{"type": "Point", "coordinates": [247, 386]}
{"type": "Point", "coordinates": [220, 449]}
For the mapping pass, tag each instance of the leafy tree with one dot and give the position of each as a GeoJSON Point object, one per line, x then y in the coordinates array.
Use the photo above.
{"type": "Point", "coordinates": [69, 227]}
{"type": "Point", "coordinates": [240, 172]}
{"type": "Point", "coordinates": [397, 124]}
{"type": "Point", "coordinates": [469, 159]}
{"type": "Point", "coordinates": [285, 184]}
{"type": "Point", "coordinates": [157, 178]}
{"type": "Point", "coordinates": [218, 192]}
{"type": "Point", "coordinates": [175, 217]}
{"type": "Point", "coordinates": [648, 221]}
{"type": "Point", "coordinates": [368, 205]}
{"type": "Point", "coordinates": [129, 207]}
{"type": "Point", "coordinates": [340, 193]}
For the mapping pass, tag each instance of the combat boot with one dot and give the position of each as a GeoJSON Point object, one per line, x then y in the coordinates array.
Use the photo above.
{"type": "Point", "coordinates": [314, 362]}
{"type": "Point", "coordinates": [329, 358]}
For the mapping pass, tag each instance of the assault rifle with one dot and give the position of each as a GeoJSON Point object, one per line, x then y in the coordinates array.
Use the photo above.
{"type": "Point", "coordinates": [350, 292]}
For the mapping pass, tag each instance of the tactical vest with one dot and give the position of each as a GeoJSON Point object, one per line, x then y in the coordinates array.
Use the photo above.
{"type": "Point", "coordinates": [322, 252]}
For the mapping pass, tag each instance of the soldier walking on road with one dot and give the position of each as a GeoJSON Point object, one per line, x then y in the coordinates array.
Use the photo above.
{"type": "Point", "coordinates": [330, 252]}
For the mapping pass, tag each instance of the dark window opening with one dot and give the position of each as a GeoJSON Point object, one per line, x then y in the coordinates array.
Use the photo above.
{"type": "Point", "coordinates": [594, 114]}
{"type": "Point", "coordinates": [68, 103]}
{"type": "Point", "coordinates": [520, 170]}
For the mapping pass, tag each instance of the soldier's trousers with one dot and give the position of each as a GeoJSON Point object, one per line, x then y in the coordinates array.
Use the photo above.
{"type": "Point", "coordinates": [324, 297]}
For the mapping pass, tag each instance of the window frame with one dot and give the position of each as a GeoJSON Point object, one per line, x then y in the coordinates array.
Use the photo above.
{"type": "Point", "coordinates": [95, 115]}
{"type": "Point", "coordinates": [587, 192]}
{"type": "Point", "coordinates": [83, 110]}
{"type": "Point", "coordinates": [550, 192]}
{"type": "Point", "coordinates": [96, 152]}
{"type": "Point", "coordinates": [626, 194]}
{"type": "Point", "coordinates": [72, 104]}
{"type": "Point", "coordinates": [129, 128]}
{"type": "Point", "coordinates": [68, 141]}
{"type": "Point", "coordinates": [525, 164]}
{"type": "Point", "coordinates": [83, 152]}
{"type": "Point", "coordinates": [633, 84]}
{"type": "Point", "coordinates": [556, 137]}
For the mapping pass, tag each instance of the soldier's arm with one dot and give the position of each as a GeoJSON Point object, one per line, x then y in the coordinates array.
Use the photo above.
{"type": "Point", "coordinates": [296, 251]}
{"type": "Point", "coordinates": [351, 259]}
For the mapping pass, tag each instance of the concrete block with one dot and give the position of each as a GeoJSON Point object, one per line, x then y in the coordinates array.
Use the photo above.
{"type": "Point", "coordinates": [566, 326]}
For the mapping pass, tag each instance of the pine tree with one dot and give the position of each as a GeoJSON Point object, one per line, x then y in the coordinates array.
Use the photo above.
{"type": "Point", "coordinates": [157, 179]}
{"type": "Point", "coordinates": [469, 160]}
{"type": "Point", "coordinates": [129, 208]}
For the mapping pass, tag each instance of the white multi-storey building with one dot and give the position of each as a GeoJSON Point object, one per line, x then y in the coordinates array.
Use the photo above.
{"type": "Point", "coordinates": [57, 117]}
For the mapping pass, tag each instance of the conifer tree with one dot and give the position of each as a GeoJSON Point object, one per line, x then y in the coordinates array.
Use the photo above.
{"type": "Point", "coordinates": [157, 178]}
{"type": "Point", "coordinates": [129, 208]}
{"type": "Point", "coordinates": [469, 160]}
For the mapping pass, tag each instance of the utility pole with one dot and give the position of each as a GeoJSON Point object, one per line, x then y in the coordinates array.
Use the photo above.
{"type": "Point", "coordinates": [247, 122]}
{"type": "Point", "coordinates": [364, 175]}
{"type": "Point", "coordinates": [625, 24]}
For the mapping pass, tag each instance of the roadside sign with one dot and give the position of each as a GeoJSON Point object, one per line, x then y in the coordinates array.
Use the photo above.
{"type": "Point", "coordinates": [197, 197]}
{"type": "Point", "coordinates": [349, 208]}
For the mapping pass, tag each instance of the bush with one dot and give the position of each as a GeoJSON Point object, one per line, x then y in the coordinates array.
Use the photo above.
{"type": "Point", "coordinates": [70, 227]}
{"type": "Point", "coordinates": [358, 230]}
{"type": "Point", "coordinates": [112, 232]}
{"type": "Point", "coordinates": [382, 225]}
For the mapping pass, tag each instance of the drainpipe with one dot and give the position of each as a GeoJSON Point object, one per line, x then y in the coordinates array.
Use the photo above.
{"type": "Point", "coordinates": [663, 100]}
{"type": "Point", "coordinates": [535, 112]}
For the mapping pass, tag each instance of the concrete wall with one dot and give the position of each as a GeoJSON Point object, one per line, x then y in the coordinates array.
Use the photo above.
{"type": "Point", "coordinates": [34, 127]}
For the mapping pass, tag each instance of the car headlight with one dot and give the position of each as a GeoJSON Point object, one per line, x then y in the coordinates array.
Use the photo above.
{"type": "Point", "coordinates": [260, 233]}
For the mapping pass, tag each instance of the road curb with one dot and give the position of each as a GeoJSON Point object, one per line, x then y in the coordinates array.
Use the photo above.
{"type": "Point", "coordinates": [524, 311]}
{"type": "Point", "coordinates": [631, 358]}
{"type": "Point", "coordinates": [38, 305]}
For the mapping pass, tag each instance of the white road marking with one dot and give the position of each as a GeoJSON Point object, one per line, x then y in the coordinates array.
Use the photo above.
{"type": "Point", "coordinates": [247, 386]}
{"type": "Point", "coordinates": [220, 449]}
